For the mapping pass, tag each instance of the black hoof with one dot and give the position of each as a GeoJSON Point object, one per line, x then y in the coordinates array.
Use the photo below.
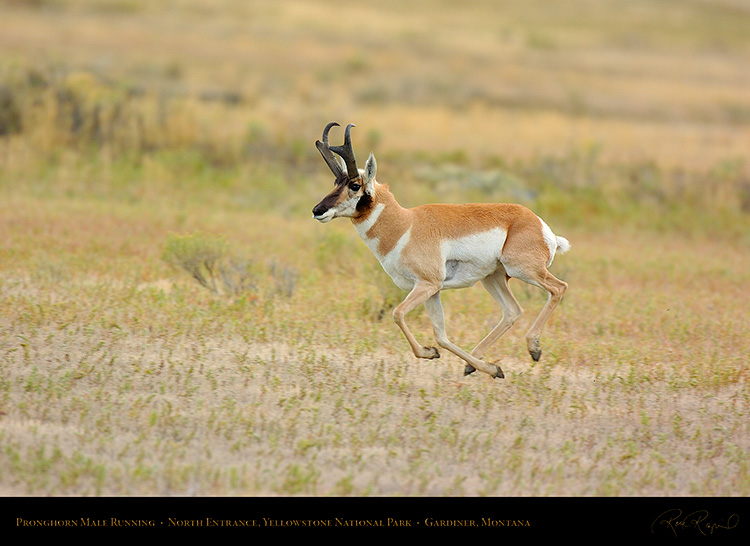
{"type": "Point", "coordinates": [469, 369]}
{"type": "Point", "coordinates": [499, 374]}
{"type": "Point", "coordinates": [536, 355]}
{"type": "Point", "coordinates": [434, 353]}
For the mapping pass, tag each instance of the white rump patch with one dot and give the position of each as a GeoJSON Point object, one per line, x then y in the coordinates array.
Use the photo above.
{"type": "Point", "coordinates": [554, 243]}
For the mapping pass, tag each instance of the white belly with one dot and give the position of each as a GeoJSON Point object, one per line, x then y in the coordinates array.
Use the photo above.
{"type": "Point", "coordinates": [471, 258]}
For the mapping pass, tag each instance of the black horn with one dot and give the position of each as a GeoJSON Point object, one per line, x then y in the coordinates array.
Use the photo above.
{"type": "Point", "coordinates": [346, 152]}
{"type": "Point", "coordinates": [325, 151]}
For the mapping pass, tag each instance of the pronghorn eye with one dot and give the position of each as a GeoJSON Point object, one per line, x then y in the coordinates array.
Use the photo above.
{"type": "Point", "coordinates": [355, 187]}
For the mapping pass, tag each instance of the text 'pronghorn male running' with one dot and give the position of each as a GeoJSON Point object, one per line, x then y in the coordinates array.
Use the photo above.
{"type": "Point", "coordinates": [436, 247]}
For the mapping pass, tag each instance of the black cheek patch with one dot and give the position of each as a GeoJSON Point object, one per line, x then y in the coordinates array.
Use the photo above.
{"type": "Point", "coordinates": [364, 203]}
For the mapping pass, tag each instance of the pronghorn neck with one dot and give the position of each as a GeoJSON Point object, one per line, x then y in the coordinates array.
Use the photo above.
{"type": "Point", "coordinates": [383, 223]}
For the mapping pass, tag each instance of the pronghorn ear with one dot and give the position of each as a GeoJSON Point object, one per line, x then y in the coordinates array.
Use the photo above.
{"type": "Point", "coordinates": [369, 175]}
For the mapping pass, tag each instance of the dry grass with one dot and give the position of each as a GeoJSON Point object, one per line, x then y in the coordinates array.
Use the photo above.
{"type": "Point", "coordinates": [119, 375]}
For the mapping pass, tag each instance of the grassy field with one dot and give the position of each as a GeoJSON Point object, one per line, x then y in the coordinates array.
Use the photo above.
{"type": "Point", "coordinates": [140, 141]}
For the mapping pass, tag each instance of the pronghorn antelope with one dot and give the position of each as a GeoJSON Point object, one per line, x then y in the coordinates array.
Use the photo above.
{"type": "Point", "coordinates": [436, 247]}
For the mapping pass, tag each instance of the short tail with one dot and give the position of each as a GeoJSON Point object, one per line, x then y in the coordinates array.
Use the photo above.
{"type": "Point", "coordinates": [563, 245]}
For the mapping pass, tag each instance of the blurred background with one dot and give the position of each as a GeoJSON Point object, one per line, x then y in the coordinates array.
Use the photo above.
{"type": "Point", "coordinates": [149, 144]}
{"type": "Point", "coordinates": [621, 107]}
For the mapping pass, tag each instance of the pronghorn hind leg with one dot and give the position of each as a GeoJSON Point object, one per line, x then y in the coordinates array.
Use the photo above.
{"type": "Point", "coordinates": [531, 267]}
{"type": "Point", "coordinates": [555, 289]}
{"type": "Point", "coordinates": [435, 311]}
{"type": "Point", "coordinates": [497, 285]}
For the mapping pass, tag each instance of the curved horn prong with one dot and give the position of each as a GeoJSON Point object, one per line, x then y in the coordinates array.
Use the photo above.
{"type": "Point", "coordinates": [325, 131]}
{"type": "Point", "coordinates": [347, 153]}
{"type": "Point", "coordinates": [325, 151]}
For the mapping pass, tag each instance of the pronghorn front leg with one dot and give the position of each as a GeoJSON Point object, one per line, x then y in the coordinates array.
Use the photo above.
{"type": "Point", "coordinates": [435, 310]}
{"type": "Point", "coordinates": [421, 292]}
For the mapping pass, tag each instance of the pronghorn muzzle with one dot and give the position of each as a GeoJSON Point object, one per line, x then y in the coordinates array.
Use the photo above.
{"type": "Point", "coordinates": [325, 210]}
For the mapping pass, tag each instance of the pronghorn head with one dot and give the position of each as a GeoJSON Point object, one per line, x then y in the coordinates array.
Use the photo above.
{"type": "Point", "coordinates": [354, 188]}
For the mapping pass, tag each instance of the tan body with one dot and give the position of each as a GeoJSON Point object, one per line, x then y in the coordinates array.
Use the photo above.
{"type": "Point", "coordinates": [436, 247]}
